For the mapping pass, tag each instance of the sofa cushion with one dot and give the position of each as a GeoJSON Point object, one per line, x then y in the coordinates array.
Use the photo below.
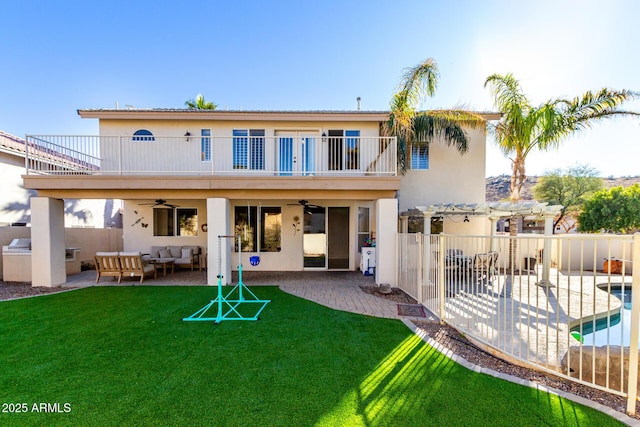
{"type": "Point", "coordinates": [165, 253]}
{"type": "Point", "coordinates": [176, 251]}
{"type": "Point", "coordinates": [195, 250]}
{"type": "Point", "coordinates": [155, 251]}
{"type": "Point", "coordinates": [187, 253]}
{"type": "Point", "coordinates": [106, 253]}
{"type": "Point", "coordinates": [129, 253]}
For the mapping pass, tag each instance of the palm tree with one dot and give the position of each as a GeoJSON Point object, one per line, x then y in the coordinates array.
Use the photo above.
{"type": "Point", "coordinates": [200, 104]}
{"type": "Point", "coordinates": [419, 128]}
{"type": "Point", "coordinates": [524, 128]}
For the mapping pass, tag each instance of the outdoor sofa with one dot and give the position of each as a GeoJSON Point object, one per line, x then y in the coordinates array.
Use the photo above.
{"type": "Point", "coordinates": [182, 256]}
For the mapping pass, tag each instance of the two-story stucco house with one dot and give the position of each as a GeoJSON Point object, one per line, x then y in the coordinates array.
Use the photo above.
{"type": "Point", "coordinates": [303, 189]}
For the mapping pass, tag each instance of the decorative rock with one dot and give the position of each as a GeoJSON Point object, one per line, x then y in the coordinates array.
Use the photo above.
{"type": "Point", "coordinates": [385, 288]}
{"type": "Point", "coordinates": [594, 365]}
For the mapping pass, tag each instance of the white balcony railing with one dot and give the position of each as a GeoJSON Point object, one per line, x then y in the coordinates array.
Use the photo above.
{"type": "Point", "coordinates": [239, 156]}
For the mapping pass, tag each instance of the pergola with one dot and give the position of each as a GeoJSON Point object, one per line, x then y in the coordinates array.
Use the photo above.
{"type": "Point", "coordinates": [495, 211]}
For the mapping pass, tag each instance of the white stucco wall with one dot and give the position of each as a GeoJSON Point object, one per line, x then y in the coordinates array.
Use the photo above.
{"type": "Point", "coordinates": [138, 231]}
{"type": "Point", "coordinates": [451, 177]}
{"type": "Point", "coordinates": [137, 227]}
{"type": "Point", "coordinates": [224, 128]}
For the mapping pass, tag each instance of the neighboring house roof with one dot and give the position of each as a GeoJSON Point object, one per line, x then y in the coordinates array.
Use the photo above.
{"type": "Point", "coordinates": [12, 144]}
{"type": "Point", "coordinates": [302, 115]}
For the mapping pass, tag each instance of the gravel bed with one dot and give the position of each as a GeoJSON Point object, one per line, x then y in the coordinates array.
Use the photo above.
{"type": "Point", "coordinates": [20, 290]}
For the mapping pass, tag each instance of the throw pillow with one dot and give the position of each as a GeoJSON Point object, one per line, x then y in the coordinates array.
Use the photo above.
{"type": "Point", "coordinates": [176, 251]}
{"type": "Point", "coordinates": [155, 251]}
{"type": "Point", "coordinates": [165, 253]}
{"type": "Point", "coordinates": [187, 253]}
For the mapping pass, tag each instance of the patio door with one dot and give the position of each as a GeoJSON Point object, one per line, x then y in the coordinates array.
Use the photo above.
{"type": "Point", "coordinates": [314, 240]}
{"type": "Point", "coordinates": [325, 243]}
{"type": "Point", "coordinates": [338, 238]}
{"type": "Point", "coordinates": [296, 153]}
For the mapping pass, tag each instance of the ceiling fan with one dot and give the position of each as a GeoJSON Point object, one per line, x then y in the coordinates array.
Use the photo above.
{"type": "Point", "coordinates": [306, 206]}
{"type": "Point", "coordinates": [159, 202]}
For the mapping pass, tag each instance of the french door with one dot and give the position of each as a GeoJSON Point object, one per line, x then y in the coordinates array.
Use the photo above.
{"type": "Point", "coordinates": [297, 152]}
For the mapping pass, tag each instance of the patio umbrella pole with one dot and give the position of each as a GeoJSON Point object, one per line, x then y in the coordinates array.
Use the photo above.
{"type": "Point", "coordinates": [234, 305]}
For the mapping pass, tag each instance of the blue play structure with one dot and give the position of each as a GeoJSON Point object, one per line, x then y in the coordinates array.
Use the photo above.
{"type": "Point", "coordinates": [238, 304]}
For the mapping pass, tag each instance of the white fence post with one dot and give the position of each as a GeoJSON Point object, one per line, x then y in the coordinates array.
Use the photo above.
{"type": "Point", "coordinates": [441, 278]}
{"type": "Point", "coordinates": [420, 269]}
{"type": "Point", "coordinates": [632, 382]}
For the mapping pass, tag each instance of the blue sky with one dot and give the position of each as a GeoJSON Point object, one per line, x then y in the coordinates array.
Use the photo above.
{"type": "Point", "coordinates": [58, 57]}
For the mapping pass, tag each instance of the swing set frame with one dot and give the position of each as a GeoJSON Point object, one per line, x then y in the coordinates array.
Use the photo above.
{"type": "Point", "coordinates": [228, 307]}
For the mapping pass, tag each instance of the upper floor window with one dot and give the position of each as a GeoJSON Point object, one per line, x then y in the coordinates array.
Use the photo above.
{"type": "Point", "coordinates": [143, 135]}
{"type": "Point", "coordinates": [248, 149]}
{"type": "Point", "coordinates": [205, 144]}
{"type": "Point", "coordinates": [420, 157]}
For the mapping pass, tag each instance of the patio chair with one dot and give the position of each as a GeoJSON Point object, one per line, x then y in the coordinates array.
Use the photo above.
{"type": "Point", "coordinates": [107, 264]}
{"type": "Point", "coordinates": [484, 266]}
{"type": "Point", "coordinates": [131, 265]}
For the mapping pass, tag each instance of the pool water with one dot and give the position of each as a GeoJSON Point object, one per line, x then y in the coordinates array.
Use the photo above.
{"type": "Point", "coordinates": [614, 330]}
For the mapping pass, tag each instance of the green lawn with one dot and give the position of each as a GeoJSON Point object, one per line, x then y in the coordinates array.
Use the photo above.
{"type": "Point", "coordinates": [122, 356]}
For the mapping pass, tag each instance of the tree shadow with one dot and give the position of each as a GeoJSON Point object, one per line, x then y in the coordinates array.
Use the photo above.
{"type": "Point", "coordinates": [72, 209]}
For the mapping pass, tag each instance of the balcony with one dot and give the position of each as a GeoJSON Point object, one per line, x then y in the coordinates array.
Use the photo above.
{"type": "Point", "coordinates": [247, 156]}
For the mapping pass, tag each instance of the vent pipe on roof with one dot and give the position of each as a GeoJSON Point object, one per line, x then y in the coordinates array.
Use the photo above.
{"type": "Point", "coordinates": [358, 99]}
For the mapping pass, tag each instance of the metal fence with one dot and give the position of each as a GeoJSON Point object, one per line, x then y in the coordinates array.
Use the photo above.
{"type": "Point", "coordinates": [560, 304]}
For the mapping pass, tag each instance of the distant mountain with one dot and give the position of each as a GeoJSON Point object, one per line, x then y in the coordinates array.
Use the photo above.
{"type": "Point", "coordinates": [498, 186]}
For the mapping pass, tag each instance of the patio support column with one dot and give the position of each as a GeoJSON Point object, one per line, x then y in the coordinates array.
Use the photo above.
{"type": "Point", "coordinates": [426, 226]}
{"type": "Point", "coordinates": [48, 267]}
{"type": "Point", "coordinates": [218, 224]}
{"type": "Point", "coordinates": [404, 224]}
{"type": "Point", "coordinates": [386, 232]}
{"type": "Point", "coordinates": [494, 230]}
{"type": "Point", "coordinates": [546, 251]}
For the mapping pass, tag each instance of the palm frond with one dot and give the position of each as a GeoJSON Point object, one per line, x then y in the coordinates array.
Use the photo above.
{"type": "Point", "coordinates": [419, 81]}
{"type": "Point", "coordinates": [507, 93]}
{"type": "Point", "coordinates": [416, 82]}
{"type": "Point", "coordinates": [568, 116]}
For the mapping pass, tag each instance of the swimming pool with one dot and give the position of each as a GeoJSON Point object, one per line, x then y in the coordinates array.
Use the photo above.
{"type": "Point", "coordinates": [614, 330]}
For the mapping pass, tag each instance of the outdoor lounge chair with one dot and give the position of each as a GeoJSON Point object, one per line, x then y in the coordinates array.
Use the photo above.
{"type": "Point", "coordinates": [131, 265]}
{"type": "Point", "coordinates": [107, 264]}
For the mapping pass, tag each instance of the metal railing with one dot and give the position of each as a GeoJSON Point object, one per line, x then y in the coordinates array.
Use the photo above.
{"type": "Point", "coordinates": [561, 304]}
{"type": "Point", "coordinates": [212, 155]}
